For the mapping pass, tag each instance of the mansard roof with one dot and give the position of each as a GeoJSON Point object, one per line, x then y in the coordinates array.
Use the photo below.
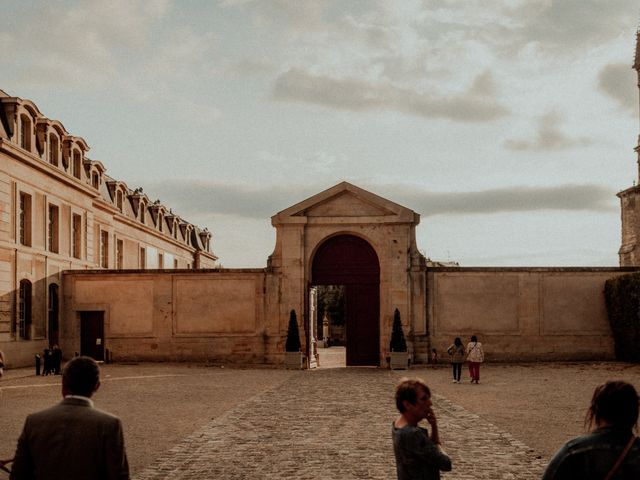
{"type": "Point", "coordinates": [347, 201]}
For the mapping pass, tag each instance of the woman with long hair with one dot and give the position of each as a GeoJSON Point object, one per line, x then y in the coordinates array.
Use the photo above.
{"type": "Point", "coordinates": [456, 354]}
{"type": "Point", "coordinates": [611, 450]}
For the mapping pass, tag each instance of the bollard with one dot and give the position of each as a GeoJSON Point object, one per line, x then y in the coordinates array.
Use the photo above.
{"type": "Point", "coordinates": [37, 364]}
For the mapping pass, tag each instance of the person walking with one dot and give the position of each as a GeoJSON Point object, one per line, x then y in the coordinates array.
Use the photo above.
{"type": "Point", "coordinates": [611, 450]}
{"type": "Point", "coordinates": [419, 455]}
{"type": "Point", "coordinates": [475, 356]}
{"type": "Point", "coordinates": [72, 440]}
{"type": "Point", "coordinates": [456, 355]}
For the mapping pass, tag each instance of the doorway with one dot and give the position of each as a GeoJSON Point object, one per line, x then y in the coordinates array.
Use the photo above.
{"type": "Point", "coordinates": [92, 334]}
{"type": "Point", "coordinates": [350, 265]}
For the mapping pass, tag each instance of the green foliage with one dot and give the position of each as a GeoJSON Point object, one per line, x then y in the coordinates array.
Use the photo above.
{"type": "Point", "coordinates": [293, 334]}
{"type": "Point", "coordinates": [331, 300]}
{"type": "Point", "coordinates": [622, 296]}
{"type": "Point", "coordinates": [398, 343]}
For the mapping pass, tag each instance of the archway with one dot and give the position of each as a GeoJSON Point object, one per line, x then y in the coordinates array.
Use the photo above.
{"type": "Point", "coordinates": [352, 262]}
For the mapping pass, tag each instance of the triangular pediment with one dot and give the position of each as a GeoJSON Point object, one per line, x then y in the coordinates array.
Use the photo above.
{"type": "Point", "coordinates": [345, 200]}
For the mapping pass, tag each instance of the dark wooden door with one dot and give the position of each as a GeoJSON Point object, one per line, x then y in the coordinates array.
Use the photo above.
{"type": "Point", "coordinates": [92, 334]}
{"type": "Point", "coordinates": [349, 260]}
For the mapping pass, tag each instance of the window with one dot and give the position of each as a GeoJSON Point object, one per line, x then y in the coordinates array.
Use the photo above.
{"type": "Point", "coordinates": [53, 149]}
{"type": "Point", "coordinates": [175, 230]}
{"type": "Point", "coordinates": [143, 258]}
{"type": "Point", "coordinates": [25, 132]}
{"type": "Point", "coordinates": [119, 254]}
{"type": "Point", "coordinates": [52, 228]}
{"type": "Point", "coordinates": [76, 236]}
{"type": "Point", "coordinates": [160, 220]}
{"type": "Point", "coordinates": [119, 200]}
{"type": "Point", "coordinates": [95, 180]}
{"type": "Point", "coordinates": [104, 249]}
{"type": "Point", "coordinates": [160, 260]}
{"type": "Point", "coordinates": [24, 309]}
{"type": "Point", "coordinates": [75, 166]}
{"type": "Point", "coordinates": [25, 219]}
{"type": "Point", "coordinates": [175, 263]}
{"type": "Point", "coordinates": [143, 210]}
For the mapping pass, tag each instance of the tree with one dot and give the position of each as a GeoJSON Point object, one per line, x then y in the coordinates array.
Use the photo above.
{"type": "Point", "coordinates": [293, 334]}
{"type": "Point", "coordinates": [398, 343]}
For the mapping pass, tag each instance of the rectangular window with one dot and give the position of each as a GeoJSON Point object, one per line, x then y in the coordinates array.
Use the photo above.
{"type": "Point", "coordinates": [25, 219]}
{"type": "Point", "coordinates": [119, 200]}
{"type": "Point", "coordinates": [175, 263]}
{"type": "Point", "coordinates": [119, 254]}
{"type": "Point", "coordinates": [76, 164]}
{"type": "Point", "coordinates": [53, 229]}
{"type": "Point", "coordinates": [95, 181]}
{"type": "Point", "coordinates": [160, 260]}
{"type": "Point", "coordinates": [143, 258]}
{"type": "Point", "coordinates": [25, 132]}
{"type": "Point", "coordinates": [76, 236]}
{"type": "Point", "coordinates": [143, 209]}
{"type": "Point", "coordinates": [53, 150]}
{"type": "Point", "coordinates": [104, 249]}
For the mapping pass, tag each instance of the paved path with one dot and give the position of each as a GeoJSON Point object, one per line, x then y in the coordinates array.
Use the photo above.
{"type": "Point", "coordinates": [334, 424]}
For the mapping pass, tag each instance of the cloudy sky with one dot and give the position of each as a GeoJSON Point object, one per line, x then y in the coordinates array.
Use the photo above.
{"type": "Point", "coordinates": [508, 125]}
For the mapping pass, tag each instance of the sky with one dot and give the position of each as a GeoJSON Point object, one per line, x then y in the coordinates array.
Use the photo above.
{"type": "Point", "coordinates": [509, 126]}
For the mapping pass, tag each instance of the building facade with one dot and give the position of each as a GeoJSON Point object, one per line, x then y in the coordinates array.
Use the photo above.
{"type": "Point", "coordinates": [59, 210]}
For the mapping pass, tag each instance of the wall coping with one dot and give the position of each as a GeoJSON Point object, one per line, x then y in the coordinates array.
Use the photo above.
{"type": "Point", "coordinates": [533, 269]}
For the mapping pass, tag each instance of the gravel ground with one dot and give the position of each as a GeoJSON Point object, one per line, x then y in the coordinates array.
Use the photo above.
{"type": "Point", "coordinates": [541, 404]}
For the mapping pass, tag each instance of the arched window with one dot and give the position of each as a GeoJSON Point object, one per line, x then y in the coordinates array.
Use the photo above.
{"type": "Point", "coordinates": [24, 309]}
{"type": "Point", "coordinates": [25, 132]}
{"type": "Point", "coordinates": [53, 149]}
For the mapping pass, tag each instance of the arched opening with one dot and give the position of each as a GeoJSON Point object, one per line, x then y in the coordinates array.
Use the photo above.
{"type": "Point", "coordinates": [24, 309]}
{"type": "Point", "coordinates": [54, 327]}
{"type": "Point", "coordinates": [350, 264]}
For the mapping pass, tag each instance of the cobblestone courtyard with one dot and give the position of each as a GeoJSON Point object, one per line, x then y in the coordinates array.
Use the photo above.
{"type": "Point", "coordinates": [192, 422]}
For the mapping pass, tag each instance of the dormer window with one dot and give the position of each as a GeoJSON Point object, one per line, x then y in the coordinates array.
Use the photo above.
{"type": "Point", "coordinates": [25, 132]}
{"type": "Point", "coordinates": [119, 200]}
{"type": "Point", "coordinates": [53, 149]}
{"type": "Point", "coordinates": [160, 220]}
{"type": "Point", "coordinates": [75, 165]}
{"type": "Point", "coordinates": [95, 180]}
{"type": "Point", "coordinates": [143, 211]}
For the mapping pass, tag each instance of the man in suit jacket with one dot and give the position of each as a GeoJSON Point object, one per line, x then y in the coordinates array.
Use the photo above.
{"type": "Point", "coordinates": [72, 440]}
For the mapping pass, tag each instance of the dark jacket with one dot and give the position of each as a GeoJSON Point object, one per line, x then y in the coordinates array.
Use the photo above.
{"type": "Point", "coordinates": [592, 456]}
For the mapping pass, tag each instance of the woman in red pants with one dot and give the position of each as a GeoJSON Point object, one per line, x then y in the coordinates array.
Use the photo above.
{"type": "Point", "coordinates": [475, 356]}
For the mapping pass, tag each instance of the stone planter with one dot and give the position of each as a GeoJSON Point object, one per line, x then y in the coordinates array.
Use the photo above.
{"type": "Point", "coordinates": [293, 360]}
{"type": "Point", "coordinates": [399, 360]}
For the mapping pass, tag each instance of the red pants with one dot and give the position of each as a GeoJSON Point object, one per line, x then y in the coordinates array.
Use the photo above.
{"type": "Point", "coordinates": [474, 371]}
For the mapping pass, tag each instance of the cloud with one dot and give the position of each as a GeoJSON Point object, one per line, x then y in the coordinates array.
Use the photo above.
{"type": "Point", "coordinates": [475, 105]}
{"type": "Point", "coordinates": [618, 81]}
{"type": "Point", "coordinates": [199, 197]}
{"type": "Point", "coordinates": [548, 137]}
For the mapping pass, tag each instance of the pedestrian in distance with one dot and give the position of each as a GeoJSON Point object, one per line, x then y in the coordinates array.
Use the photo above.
{"type": "Point", "coordinates": [418, 454]}
{"type": "Point", "coordinates": [1, 363]}
{"type": "Point", "coordinates": [611, 450]}
{"type": "Point", "coordinates": [47, 362]}
{"type": "Point", "coordinates": [72, 440]}
{"type": "Point", "coordinates": [434, 356]}
{"type": "Point", "coordinates": [56, 357]}
{"type": "Point", "coordinates": [475, 356]}
{"type": "Point", "coordinates": [456, 353]}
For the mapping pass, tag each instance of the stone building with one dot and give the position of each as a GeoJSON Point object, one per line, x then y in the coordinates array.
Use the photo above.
{"type": "Point", "coordinates": [59, 210]}
{"type": "Point", "coordinates": [629, 252]}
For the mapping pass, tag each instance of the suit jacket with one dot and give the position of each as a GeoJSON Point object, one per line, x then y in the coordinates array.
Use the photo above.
{"type": "Point", "coordinates": [70, 441]}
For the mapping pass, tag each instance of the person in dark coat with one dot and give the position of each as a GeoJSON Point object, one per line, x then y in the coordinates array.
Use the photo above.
{"type": "Point", "coordinates": [47, 360]}
{"type": "Point", "coordinates": [56, 355]}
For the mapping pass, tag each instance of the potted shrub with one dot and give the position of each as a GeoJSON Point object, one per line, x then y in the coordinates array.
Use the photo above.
{"type": "Point", "coordinates": [292, 354]}
{"type": "Point", "coordinates": [399, 357]}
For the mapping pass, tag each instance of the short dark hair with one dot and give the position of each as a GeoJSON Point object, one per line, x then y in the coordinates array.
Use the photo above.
{"type": "Point", "coordinates": [407, 390]}
{"type": "Point", "coordinates": [615, 402]}
{"type": "Point", "coordinates": [474, 338]}
{"type": "Point", "coordinates": [81, 376]}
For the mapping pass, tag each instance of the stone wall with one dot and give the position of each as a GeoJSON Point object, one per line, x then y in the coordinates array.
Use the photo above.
{"type": "Point", "coordinates": [520, 314]}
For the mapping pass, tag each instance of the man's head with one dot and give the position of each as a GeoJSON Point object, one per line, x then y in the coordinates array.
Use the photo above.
{"type": "Point", "coordinates": [81, 376]}
{"type": "Point", "coordinates": [408, 390]}
{"type": "Point", "coordinates": [614, 403]}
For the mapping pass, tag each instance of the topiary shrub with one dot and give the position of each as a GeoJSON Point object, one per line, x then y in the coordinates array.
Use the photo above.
{"type": "Point", "coordinates": [398, 343]}
{"type": "Point", "coordinates": [293, 334]}
{"type": "Point", "coordinates": [622, 297]}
